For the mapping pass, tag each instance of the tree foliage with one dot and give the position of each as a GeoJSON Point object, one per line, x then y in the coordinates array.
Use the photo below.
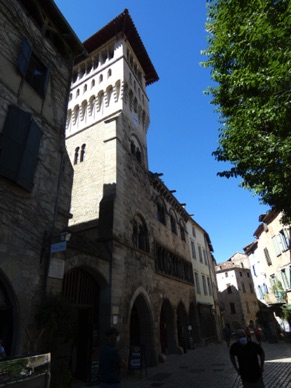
{"type": "Point", "coordinates": [249, 54]}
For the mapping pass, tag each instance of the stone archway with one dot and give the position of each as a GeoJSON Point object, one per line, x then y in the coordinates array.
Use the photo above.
{"type": "Point", "coordinates": [141, 331]}
{"type": "Point", "coordinates": [168, 342]}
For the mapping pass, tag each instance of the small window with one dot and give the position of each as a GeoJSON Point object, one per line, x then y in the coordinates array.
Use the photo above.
{"type": "Point", "coordinates": [267, 256]}
{"type": "Point", "coordinates": [193, 250]}
{"type": "Point", "coordinates": [161, 213]}
{"type": "Point", "coordinates": [200, 254]}
{"type": "Point", "coordinates": [226, 274]}
{"type": "Point", "coordinates": [182, 232]}
{"type": "Point", "coordinates": [193, 231]}
{"type": "Point", "coordinates": [243, 287]}
{"type": "Point", "coordinates": [209, 286]}
{"type": "Point", "coordinates": [76, 156]}
{"type": "Point", "coordinates": [140, 235]}
{"type": "Point", "coordinates": [173, 224]}
{"type": "Point", "coordinates": [232, 308]}
{"type": "Point", "coordinates": [197, 283]}
{"type": "Point", "coordinates": [204, 285]}
{"type": "Point", "coordinates": [19, 146]}
{"type": "Point", "coordinates": [35, 73]}
{"type": "Point", "coordinates": [251, 288]}
{"type": "Point", "coordinates": [82, 156]}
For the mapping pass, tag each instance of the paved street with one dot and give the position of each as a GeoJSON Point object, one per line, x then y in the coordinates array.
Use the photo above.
{"type": "Point", "coordinates": [210, 367]}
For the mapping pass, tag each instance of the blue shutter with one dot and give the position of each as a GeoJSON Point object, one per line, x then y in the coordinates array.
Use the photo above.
{"type": "Point", "coordinates": [13, 139]}
{"type": "Point", "coordinates": [24, 57]}
{"type": "Point", "coordinates": [29, 160]}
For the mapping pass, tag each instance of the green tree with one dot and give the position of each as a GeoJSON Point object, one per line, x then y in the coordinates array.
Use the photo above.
{"type": "Point", "coordinates": [249, 54]}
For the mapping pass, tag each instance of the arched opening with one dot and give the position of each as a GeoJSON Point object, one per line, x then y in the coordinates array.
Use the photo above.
{"type": "Point", "coordinates": [167, 328]}
{"type": "Point", "coordinates": [80, 287]}
{"type": "Point", "coordinates": [141, 329]}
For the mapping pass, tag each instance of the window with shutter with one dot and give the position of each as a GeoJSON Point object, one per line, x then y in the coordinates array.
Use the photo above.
{"type": "Point", "coordinates": [276, 245]}
{"type": "Point", "coordinates": [35, 73]}
{"type": "Point", "coordinates": [19, 147]}
{"type": "Point", "coordinates": [267, 256]}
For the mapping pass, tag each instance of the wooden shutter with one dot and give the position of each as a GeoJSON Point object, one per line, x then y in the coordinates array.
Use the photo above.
{"type": "Point", "coordinates": [13, 139]}
{"type": "Point", "coordinates": [29, 160]}
{"type": "Point", "coordinates": [19, 146]}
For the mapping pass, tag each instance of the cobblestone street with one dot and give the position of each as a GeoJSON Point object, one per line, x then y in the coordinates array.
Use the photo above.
{"type": "Point", "coordinates": [210, 367]}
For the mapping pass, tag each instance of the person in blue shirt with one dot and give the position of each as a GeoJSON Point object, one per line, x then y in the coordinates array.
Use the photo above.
{"type": "Point", "coordinates": [110, 362]}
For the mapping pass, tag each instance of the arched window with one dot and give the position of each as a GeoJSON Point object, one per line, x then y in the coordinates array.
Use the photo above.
{"type": "Point", "coordinates": [100, 78]}
{"type": "Point", "coordinates": [76, 114]}
{"type": "Point", "coordinates": [85, 88]}
{"type": "Point", "coordinates": [77, 92]}
{"type": "Point", "coordinates": [135, 149]}
{"type": "Point", "coordinates": [84, 110]}
{"type": "Point", "coordinates": [161, 211]}
{"type": "Point", "coordinates": [109, 91]}
{"type": "Point", "coordinates": [140, 234]}
{"type": "Point", "coordinates": [100, 101]}
{"type": "Point", "coordinates": [82, 156]}
{"type": "Point", "coordinates": [91, 105]}
{"type": "Point", "coordinates": [92, 83]}
{"type": "Point", "coordinates": [69, 119]}
{"type": "Point", "coordinates": [173, 223]}
{"type": "Point", "coordinates": [76, 156]}
{"type": "Point", "coordinates": [109, 73]}
{"type": "Point", "coordinates": [182, 230]}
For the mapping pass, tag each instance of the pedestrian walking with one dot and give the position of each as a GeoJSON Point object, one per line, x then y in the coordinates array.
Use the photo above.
{"type": "Point", "coordinates": [111, 362]}
{"type": "Point", "coordinates": [258, 335]}
{"type": "Point", "coordinates": [248, 359]}
{"type": "Point", "coordinates": [248, 333]}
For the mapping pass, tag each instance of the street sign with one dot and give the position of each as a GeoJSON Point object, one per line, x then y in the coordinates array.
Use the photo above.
{"type": "Point", "coordinates": [59, 247]}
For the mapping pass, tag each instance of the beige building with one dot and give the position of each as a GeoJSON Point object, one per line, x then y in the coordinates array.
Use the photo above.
{"type": "Point", "coordinates": [237, 298]}
{"type": "Point", "coordinates": [37, 52]}
{"type": "Point", "coordinates": [208, 312]}
{"type": "Point", "coordinates": [128, 263]}
{"type": "Point", "coordinates": [269, 257]}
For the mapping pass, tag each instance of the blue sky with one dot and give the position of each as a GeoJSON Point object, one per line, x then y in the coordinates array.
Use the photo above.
{"type": "Point", "coordinates": [183, 131]}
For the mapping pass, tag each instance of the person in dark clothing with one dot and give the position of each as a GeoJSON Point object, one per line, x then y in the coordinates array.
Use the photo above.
{"type": "Point", "coordinates": [110, 362]}
{"type": "Point", "coordinates": [245, 356]}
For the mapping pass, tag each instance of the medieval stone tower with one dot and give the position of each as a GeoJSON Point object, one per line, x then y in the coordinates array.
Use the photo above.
{"type": "Point", "coordinates": [128, 262]}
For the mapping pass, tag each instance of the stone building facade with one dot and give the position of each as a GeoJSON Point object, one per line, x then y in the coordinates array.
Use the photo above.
{"type": "Point", "coordinates": [129, 253]}
{"type": "Point", "coordinates": [237, 297]}
{"type": "Point", "coordinates": [37, 52]}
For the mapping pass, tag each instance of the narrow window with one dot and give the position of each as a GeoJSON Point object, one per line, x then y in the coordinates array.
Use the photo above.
{"type": "Point", "coordinates": [232, 308]}
{"type": "Point", "coordinates": [173, 224]}
{"type": "Point", "coordinates": [76, 156]}
{"type": "Point", "coordinates": [161, 213]}
{"type": "Point", "coordinates": [200, 254]}
{"type": "Point", "coordinates": [267, 256]}
{"type": "Point", "coordinates": [193, 250]}
{"type": "Point", "coordinates": [34, 72]}
{"type": "Point", "coordinates": [204, 285]}
{"type": "Point", "coordinates": [82, 156]}
{"type": "Point", "coordinates": [197, 283]}
{"type": "Point", "coordinates": [243, 287]}
{"type": "Point", "coordinates": [209, 286]}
